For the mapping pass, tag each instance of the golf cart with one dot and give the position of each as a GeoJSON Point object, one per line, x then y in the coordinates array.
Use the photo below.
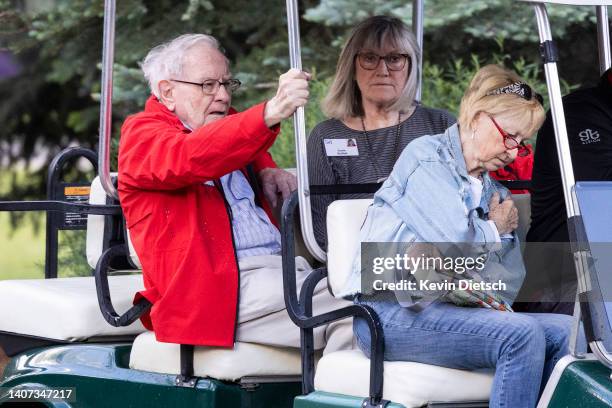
{"type": "Point", "coordinates": [578, 379]}
{"type": "Point", "coordinates": [91, 356]}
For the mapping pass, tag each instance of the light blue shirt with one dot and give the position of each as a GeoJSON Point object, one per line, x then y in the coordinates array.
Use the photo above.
{"type": "Point", "coordinates": [254, 234]}
{"type": "Point", "coordinates": [428, 198]}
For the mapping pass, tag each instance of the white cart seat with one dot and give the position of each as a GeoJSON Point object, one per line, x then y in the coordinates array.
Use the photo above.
{"type": "Point", "coordinates": [408, 383]}
{"type": "Point", "coordinates": [244, 360]}
{"type": "Point", "coordinates": [411, 384]}
{"type": "Point", "coordinates": [65, 309]}
{"type": "Point", "coordinates": [95, 228]}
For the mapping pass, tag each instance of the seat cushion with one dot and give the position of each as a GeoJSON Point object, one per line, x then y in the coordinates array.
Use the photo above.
{"type": "Point", "coordinates": [245, 360]}
{"type": "Point", "coordinates": [412, 384]}
{"type": "Point", "coordinates": [65, 309]}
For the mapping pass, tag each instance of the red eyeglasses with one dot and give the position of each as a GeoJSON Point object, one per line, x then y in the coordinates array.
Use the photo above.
{"type": "Point", "coordinates": [510, 140]}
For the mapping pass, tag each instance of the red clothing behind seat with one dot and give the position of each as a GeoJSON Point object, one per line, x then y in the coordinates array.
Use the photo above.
{"type": "Point", "coordinates": [520, 169]}
{"type": "Point", "coordinates": [179, 226]}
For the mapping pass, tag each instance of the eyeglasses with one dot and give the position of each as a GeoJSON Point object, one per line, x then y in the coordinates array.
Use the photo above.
{"type": "Point", "coordinates": [394, 62]}
{"type": "Point", "coordinates": [510, 140]}
{"type": "Point", "coordinates": [211, 86]}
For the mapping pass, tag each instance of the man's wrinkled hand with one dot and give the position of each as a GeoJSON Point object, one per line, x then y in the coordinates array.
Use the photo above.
{"type": "Point", "coordinates": [277, 182]}
{"type": "Point", "coordinates": [292, 93]}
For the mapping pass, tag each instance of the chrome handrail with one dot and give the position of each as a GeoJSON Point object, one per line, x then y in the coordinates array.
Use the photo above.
{"type": "Point", "coordinates": [603, 38]}
{"type": "Point", "coordinates": [106, 99]}
{"type": "Point", "coordinates": [418, 10]}
{"type": "Point", "coordinates": [567, 176]}
{"type": "Point", "coordinates": [558, 114]}
{"type": "Point", "coordinates": [299, 128]}
{"type": "Point", "coordinates": [299, 122]}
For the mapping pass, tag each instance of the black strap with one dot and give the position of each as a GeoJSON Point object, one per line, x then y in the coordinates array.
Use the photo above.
{"type": "Point", "coordinates": [587, 318]}
{"type": "Point", "coordinates": [549, 52]}
{"type": "Point", "coordinates": [371, 188]}
{"type": "Point", "coordinates": [186, 378]}
{"type": "Point", "coordinates": [187, 360]}
{"type": "Point", "coordinates": [366, 188]}
{"type": "Point", "coordinates": [577, 234]}
{"type": "Point", "coordinates": [230, 216]}
{"type": "Point", "coordinates": [254, 182]}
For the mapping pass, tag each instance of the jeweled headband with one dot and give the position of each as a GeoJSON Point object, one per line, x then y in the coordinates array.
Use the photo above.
{"type": "Point", "coordinates": [518, 88]}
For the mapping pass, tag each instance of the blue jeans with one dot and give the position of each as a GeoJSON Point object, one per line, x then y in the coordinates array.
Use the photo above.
{"type": "Point", "coordinates": [522, 347]}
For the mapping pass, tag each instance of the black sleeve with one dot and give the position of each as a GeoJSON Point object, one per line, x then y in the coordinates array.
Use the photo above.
{"type": "Point", "coordinates": [319, 173]}
{"type": "Point", "coordinates": [589, 129]}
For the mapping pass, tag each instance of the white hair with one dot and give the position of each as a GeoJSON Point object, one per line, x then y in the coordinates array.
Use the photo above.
{"type": "Point", "coordinates": [166, 60]}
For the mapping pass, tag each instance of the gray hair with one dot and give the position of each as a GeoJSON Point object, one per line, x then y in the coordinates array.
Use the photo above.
{"type": "Point", "coordinates": [166, 60]}
{"type": "Point", "coordinates": [344, 97]}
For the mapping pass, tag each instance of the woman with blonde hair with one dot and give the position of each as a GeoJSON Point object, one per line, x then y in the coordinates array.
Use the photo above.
{"type": "Point", "coordinates": [440, 192]}
{"type": "Point", "coordinates": [372, 101]}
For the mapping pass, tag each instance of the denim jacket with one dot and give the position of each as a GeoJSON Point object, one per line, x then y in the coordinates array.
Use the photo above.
{"type": "Point", "coordinates": [427, 198]}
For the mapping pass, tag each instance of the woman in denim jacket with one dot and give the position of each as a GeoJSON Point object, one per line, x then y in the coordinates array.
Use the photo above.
{"type": "Point", "coordinates": [440, 192]}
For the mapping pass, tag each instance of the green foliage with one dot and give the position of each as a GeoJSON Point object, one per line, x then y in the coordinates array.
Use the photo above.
{"type": "Point", "coordinates": [54, 101]}
{"type": "Point", "coordinates": [484, 19]}
{"type": "Point", "coordinates": [443, 87]}
{"type": "Point", "coordinates": [22, 251]}
{"type": "Point", "coordinates": [456, 29]}
{"type": "Point", "coordinates": [283, 150]}
{"type": "Point", "coordinates": [72, 260]}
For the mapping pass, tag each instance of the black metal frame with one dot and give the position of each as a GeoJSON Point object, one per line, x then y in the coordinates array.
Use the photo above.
{"type": "Point", "coordinates": [300, 312]}
{"type": "Point", "coordinates": [118, 245]}
{"type": "Point", "coordinates": [103, 291]}
{"type": "Point", "coordinates": [116, 253]}
{"type": "Point", "coordinates": [186, 378]}
{"type": "Point", "coordinates": [55, 205]}
{"type": "Point", "coordinates": [14, 344]}
{"type": "Point", "coordinates": [371, 188]}
{"type": "Point", "coordinates": [60, 206]}
{"type": "Point", "coordinates": [55, 192]}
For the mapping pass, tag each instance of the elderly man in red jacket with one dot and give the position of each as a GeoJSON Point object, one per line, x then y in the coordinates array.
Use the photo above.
{"type": "Point", "coordinates": [190, 171]}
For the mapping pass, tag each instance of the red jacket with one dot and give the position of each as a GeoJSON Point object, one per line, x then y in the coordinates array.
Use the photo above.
{"type": "Point", "coordinates": [179, 226]}
{"type": "Point", "coordinates": [520, 169]}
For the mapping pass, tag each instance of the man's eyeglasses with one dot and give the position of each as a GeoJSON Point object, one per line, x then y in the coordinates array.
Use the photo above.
{"type": "Point", "coordinates": [211, 86]}
{"type": "Point", "coordinates": [510, 141]}
{"type": "Point", "coordinates": [370, 60]}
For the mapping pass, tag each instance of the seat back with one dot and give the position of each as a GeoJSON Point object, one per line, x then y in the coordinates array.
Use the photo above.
{"type": "Point", "coordinates": [344, 220]}
{"type": "Point", "coordinates": [594, 198]}
{"type": "Point", "coordinates": [97, 228]}
{"type": "Point", "coordinates": [523, 204]}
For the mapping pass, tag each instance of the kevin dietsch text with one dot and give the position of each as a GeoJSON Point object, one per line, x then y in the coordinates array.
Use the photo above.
{"type": "Point", "coordinates": [410, 264]}
{"type": "Point", "coordinates": [427, 285]}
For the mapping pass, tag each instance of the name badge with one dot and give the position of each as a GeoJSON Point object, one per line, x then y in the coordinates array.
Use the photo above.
{"type": "Point", "coordinates": [340, 147]}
